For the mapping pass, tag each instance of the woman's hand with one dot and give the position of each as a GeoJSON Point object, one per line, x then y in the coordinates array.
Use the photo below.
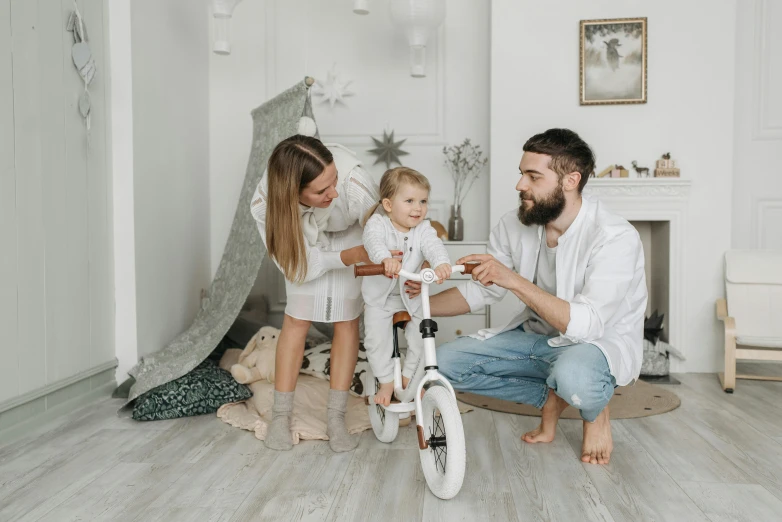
{"type": "Point", "coordinates": [358, 254]}
{"type": "Point", "coordinates": [392, 267]}
{"type": "Point", "coordinates": [355, 255]}
{"type": "Point", "coordinates": [443, 272]}
{"type": "Point", "coordinates": [413, 288]}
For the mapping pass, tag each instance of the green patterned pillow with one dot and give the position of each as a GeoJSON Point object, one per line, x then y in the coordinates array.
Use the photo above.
{"type": "Point", "coordinates": [201, 391]}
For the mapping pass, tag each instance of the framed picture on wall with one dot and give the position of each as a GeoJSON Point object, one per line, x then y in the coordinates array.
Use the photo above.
{"type": "Point", "coordinates": [613, 61]}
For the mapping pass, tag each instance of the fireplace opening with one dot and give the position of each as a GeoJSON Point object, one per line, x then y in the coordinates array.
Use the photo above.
{"type": "Point", "coordinates": [656, 240]}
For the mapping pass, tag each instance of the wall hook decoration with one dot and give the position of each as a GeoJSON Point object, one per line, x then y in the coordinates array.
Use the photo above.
{"type": "Point", "coordinates": [81, 54]}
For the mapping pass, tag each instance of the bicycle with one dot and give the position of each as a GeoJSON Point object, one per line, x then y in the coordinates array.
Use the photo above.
{"type": "Point", "coordinates": [439, 423]}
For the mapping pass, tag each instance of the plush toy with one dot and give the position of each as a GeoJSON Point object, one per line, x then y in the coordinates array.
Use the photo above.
{"type": "Point", "coordinates": [256, 361]}
{"type": "Point", "coordinates": [440, 229]}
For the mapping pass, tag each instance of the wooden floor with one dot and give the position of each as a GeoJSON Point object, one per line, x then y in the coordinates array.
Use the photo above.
{"type": "Point", "coordinates": [718, 457]}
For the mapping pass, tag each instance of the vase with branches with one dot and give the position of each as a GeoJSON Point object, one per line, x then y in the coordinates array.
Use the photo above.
{"type": "Point", "coordinates": [465, 162]}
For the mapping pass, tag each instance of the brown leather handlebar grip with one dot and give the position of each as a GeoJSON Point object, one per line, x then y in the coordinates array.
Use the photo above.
{"type": "Point", "coordinates": [373, 270]}
{"type": "Point", "coordinates": [469, 267]}
{"type": "Point", "coordinates": [368, 270]}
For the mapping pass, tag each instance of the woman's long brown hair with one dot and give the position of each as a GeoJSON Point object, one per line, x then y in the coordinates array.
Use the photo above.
{"type": "Point", "coordinates": [293, 164]}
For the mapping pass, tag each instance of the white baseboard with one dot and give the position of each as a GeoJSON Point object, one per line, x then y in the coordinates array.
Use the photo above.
{"type": "Point", "coordinates": [57, 385]}
{"type": "Point", "coordinates": [53, 417]}
{"type": "Point", "coordinates": [28, 413]}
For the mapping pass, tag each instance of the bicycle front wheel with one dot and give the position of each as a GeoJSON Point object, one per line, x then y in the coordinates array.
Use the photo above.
{"type": "Point", "coordinates": [443, 461]}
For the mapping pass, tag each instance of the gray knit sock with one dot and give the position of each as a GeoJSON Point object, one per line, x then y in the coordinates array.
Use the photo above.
{"type": "Point", "coordinates": [339, 438]}
{"type": "Point", "coordinates": [278, 436]}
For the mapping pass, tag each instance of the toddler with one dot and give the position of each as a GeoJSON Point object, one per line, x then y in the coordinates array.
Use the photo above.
{"type": "Point", "coordinates": [398, 222]}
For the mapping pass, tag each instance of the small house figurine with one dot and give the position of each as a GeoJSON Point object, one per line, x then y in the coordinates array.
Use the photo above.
{"type": "Point", "coordinates": [606, 172]}
{"type": "Point", "coordinates": [620, 172]}
{"type": "Point", "coordinates": [666, 167]}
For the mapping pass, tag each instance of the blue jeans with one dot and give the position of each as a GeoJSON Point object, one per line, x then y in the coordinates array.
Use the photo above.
{"type": "Point", "coordinates": [521, 367]}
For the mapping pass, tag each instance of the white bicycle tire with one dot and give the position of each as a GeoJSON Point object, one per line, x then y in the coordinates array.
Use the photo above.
{"type": "Point", "coordinates": [443, 476]}
{"type": "Point", "coordinates": [385, 423]}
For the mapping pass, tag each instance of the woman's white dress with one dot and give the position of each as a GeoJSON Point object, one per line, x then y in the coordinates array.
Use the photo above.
{"type": "Point", "coordinates": [330, 292]}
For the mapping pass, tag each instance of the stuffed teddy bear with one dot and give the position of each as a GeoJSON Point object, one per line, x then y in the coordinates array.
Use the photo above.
{"type": "Point", "coordinates": [256, 361]}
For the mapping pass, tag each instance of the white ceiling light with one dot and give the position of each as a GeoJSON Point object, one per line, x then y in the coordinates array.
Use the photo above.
{"type": "Point", "coordinates": [222, 11]}
{"type": "Point", "coordinates": [419, 19]}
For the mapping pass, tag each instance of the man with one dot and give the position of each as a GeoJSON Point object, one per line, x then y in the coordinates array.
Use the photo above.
{"type": "Point", "coordinates": [578, 273]}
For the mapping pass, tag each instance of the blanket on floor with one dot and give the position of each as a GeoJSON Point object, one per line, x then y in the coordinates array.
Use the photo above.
{"type": "Point", "coordinates": [309, 407]}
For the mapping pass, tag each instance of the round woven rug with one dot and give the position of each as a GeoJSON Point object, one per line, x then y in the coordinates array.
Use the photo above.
{"type": "Point", "coordinates": [641, 400]}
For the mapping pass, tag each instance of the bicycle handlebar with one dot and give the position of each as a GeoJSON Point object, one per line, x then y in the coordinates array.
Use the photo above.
{"type": "Point", "coordinates": [373, 270]}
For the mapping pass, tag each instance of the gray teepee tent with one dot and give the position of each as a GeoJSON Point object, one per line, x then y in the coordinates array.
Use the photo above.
{"type": "Point", "coordinates": [273, 121]}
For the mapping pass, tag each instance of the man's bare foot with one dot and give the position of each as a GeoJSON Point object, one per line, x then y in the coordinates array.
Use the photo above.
{"type": "Point", "coordinates": [553, 408]}
{"type": "Point", "coordinates": [598, 444]}
{"type": "Point", "coordinates": [383, 395]}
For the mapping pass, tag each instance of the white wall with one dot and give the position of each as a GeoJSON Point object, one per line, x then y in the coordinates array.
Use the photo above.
{"type": "Point", "coordinates": [170, 63]}
{"type": "Point", "coordinates": [120, 97]}
{"type": "Point", "coordinates": [757, 183]}
{"type": "Point", "coordinates": [277, 43]}
{"type": "Point", "coordinates": [535, 86]}
{"type": "Point", "coordinates": [56, 292]}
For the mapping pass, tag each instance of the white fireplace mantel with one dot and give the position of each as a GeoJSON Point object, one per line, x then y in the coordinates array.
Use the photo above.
{"type": "Point", "coordinates": [655, 199]}
{"type": "Point", "coordinates": [638, 187]}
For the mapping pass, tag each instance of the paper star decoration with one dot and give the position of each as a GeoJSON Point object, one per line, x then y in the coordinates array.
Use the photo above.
{"type": "Point", "coordinates": [388, 150]}
{"type": "Point", "coordinates": [334, 90]}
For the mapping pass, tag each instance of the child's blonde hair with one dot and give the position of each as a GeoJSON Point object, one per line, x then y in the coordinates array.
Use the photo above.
{"type": "Point", "coordinates": [395, 178]}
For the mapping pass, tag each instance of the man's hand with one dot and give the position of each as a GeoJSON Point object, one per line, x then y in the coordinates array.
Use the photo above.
{"type": "Point", "coordinates": [490, 271]}
{"type": "Point", "coordinates": [392, 267]}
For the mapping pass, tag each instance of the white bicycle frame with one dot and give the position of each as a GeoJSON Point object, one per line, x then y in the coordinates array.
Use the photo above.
{"type": "Point", "coordinates": [426, 277]}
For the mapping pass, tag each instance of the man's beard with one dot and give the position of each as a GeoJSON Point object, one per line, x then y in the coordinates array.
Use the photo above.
{"type": "Point", "coordinates": [544, 210]}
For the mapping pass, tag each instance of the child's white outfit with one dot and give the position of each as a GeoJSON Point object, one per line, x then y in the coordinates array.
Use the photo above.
{"type": "Point", "coordinates": [384, 297]}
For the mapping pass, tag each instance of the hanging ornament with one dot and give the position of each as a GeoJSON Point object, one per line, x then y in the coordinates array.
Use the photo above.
{"type": "Point", "coordinates": [222, 12]}
{"type": "Point", "coordinates": [419, 19]}
{"type": "Point", "coordinates": [334, 90]}
{"type": "Point", "coordinates": [361, 7]}
{"type": "Point", "coordinates": [388, 150]}
{"type": "Point", "coordinates": [307, 126]}
{"type": "Point", "coordinates": [81, 54]}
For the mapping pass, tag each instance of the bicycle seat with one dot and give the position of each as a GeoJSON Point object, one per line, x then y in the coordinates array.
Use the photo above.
{"type": "Point", "coordinates": [401, 319]}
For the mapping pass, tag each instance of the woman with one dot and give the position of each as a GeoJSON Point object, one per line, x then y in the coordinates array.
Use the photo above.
{"type": "Point", "coordinates": [309, 207]}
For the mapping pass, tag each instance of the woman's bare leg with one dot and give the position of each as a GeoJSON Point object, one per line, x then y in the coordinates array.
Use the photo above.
{"type": "Point", "coordinates": [290, 352]}
{"type": "Point", "coordinates": [344, 354]}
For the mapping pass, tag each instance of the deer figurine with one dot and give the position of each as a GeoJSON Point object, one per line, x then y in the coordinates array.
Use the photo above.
{"type": "Point", "coordinates": [643, 172]}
